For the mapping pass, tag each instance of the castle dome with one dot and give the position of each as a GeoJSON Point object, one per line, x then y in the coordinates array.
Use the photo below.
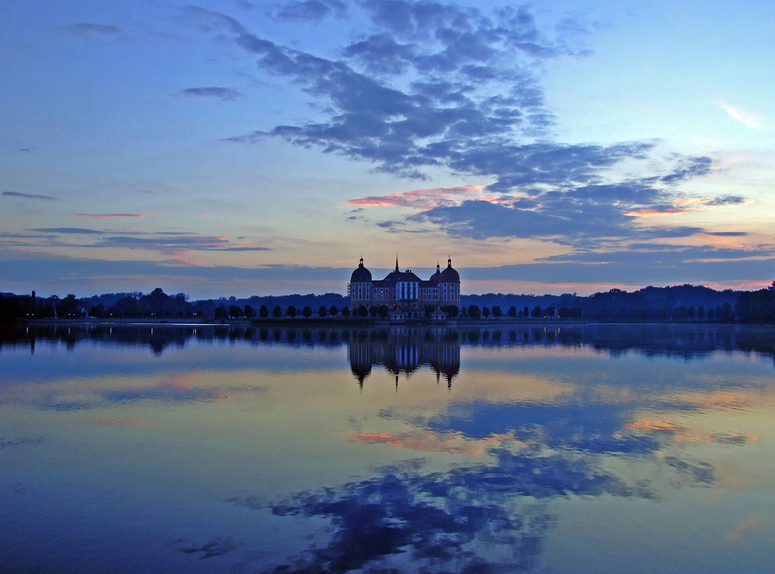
{"type": "Point", "coordinates": [361, 274]}
{"type": "Point", "coordinates": [436, 276]}
{"type": "Point", "coordinates": [449, 275]}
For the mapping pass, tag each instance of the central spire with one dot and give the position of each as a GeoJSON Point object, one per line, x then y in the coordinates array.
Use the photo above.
{"type": "Point", "coordinates": [396, 261]}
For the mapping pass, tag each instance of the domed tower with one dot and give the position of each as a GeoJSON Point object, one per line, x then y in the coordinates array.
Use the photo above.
{"type": "Point", "coordinates": [361, 287]}
{"type": "Point", "coordinates": [449, 286]}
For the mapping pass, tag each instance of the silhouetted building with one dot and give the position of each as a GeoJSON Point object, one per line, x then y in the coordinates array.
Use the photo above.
{"type": "Point", "coordinates": [404, 291]}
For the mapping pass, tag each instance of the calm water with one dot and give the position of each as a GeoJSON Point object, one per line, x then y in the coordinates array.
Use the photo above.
{"type": "Point", "coordinates": [589, 449]}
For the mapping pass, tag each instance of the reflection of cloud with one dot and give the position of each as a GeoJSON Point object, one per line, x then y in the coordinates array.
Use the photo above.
{"type": "Point", "coordinates": [755, 523]}
{"type": "Point", "coordinates": [473, 519]}
{"type": "Point", "coordinates": [424, 441]}
{"type": "Point", "coordinates": [680, 433]}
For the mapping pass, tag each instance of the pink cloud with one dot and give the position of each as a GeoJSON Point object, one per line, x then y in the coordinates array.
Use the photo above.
{"type": "Point", "coordinates": [420, 198]}
{"type": "Point", "coordinates": [114, 215]}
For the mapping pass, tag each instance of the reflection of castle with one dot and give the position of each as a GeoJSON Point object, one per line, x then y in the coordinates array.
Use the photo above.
{"type": "Point", "coordinates": [405, 291]}
{"type": "Point", "coordinates": [405, 351]}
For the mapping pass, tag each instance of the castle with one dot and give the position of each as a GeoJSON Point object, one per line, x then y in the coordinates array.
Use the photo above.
{"type": "Point", "coordinates": [405, 291]}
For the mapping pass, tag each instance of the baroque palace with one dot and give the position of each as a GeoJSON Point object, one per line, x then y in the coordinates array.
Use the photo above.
{"type": "Point", "coordinates": [405, 291]}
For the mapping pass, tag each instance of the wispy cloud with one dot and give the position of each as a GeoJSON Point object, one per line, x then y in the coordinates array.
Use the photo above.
{"type": "Point", "coordinates": [420, 198]}
{"type": "Point", "coordinates": [69, 230]}
{"type": "Point", "coordinates": [115, 215]}
{"type": "Point", "coordinates": [28, 196]}
{"type": "Point", "coordinates": [745, 117]}
{"type": "Point", "coordinates": [307, 10]}
{"type": "Point", "coordinates": [225, 94]}
{"type": "Point", "coordinates": [92, 31]}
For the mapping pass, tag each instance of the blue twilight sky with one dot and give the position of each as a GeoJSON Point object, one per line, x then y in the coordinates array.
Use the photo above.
{"type": "Point", "coordinates": [234, 147]}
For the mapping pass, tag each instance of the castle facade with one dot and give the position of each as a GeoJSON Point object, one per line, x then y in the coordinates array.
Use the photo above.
{"type": "Point", "coordinates": [405, 291]}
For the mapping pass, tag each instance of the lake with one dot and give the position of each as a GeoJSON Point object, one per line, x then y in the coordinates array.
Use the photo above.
{"type": "Point", "coordinates": [514, 448]}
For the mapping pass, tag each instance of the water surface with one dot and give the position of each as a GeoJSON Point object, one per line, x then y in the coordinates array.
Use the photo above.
{"type": "Point", "coordinates": [514, 449]}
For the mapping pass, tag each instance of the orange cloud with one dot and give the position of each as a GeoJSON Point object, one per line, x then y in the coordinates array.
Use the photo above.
{"type": "Point", "coordinates": [420, 198]}
{"type": "Point", "coordinates": [755, 523]}
{"type": "Point", "coordinates": [115, 215]}
{"type": "Point", "coordinates": [418, 440]}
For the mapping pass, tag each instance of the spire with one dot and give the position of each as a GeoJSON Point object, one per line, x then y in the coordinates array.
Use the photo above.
{"type": "Point", "coordinates": [449, 261]}
{"type": "Point", "coordinates": [438, 267]}
{"type": "Point", "coordinates": [361, 263]}
{"type": "Point", "coordinates": [396, 261]}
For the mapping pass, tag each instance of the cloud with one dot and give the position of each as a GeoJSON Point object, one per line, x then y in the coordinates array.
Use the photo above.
{"type": "Point", "coordinates": [115, 215]}
{"type": "Point", "coordinates": [91, 31]}
{"type": "Point", "coordinates": [176, 243]}
{"type": "Point", "coordinates": [225, 94]}
{"type": "Point", "coordinates": [28, 196]}
{"type": "Point", "coordinates": [727, 233]}
{"type": "Point", "coordinates": [750, 119]}
{"type": "Point", "coordinates": [419, 198]}
{"type": "Point", "coordinates": [70, 230]}
{"type": "Point", "coordinates": [312, 10]}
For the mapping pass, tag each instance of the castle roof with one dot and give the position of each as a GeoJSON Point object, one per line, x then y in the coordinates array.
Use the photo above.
{"type": "Point", "coordinates": [449, 275]}
{"type": "Point", "coordinates": [361, 274]}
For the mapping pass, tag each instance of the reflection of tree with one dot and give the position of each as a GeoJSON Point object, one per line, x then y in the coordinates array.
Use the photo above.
{"type": "Point", "coordinates": [402, 350]}
{"type": "Point", "coordinates": [481, 518]}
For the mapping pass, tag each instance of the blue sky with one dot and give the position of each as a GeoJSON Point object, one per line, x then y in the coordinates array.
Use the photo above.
{"type": "Point", "coordinates": [237, 147]}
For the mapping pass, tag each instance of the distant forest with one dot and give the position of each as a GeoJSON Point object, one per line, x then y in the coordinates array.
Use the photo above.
{"type": "Point", "coordinates": [682, 303]}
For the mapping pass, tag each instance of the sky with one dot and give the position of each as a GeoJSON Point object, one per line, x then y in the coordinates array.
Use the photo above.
{"type": "Point", "coordinates": [244, 148]}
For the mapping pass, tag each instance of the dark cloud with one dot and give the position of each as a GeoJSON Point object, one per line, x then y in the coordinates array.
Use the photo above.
{"type": "Point", "coordinates": [172, 243]}
{"type": "Point", "coordinates": [726, 200]}
{"type": "Point", "coordinates": [91, 31]}
{"type": "Point", "coordinates": [24, 149]}
{"type": "Point", "coordinates": [437, 85]}
{"type": "Point", "coordinates": [727, 233]}
{"type": "Point", "coordinates": [28, 195]}
{"type": "Point", "coordinates": [226, 94]}
{"type": "Point", "coordinates": [688, 168]}
{"type": "Point", "coordinates": [312, 10]}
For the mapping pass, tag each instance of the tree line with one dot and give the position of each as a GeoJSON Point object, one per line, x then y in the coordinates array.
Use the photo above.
{"type": "Point", "coordinates": [684, 303]}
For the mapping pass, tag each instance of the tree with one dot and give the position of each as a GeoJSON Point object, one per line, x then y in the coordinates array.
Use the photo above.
{"type": "Point", "coordinates": [710, 314]}
{"type": "Point", "coordinates": [701, 312]}
{"type": "Point", "coordinates": [363, 311]}
{"type": "Point", "coordinates": [333, 311]}
{"type": "Point", "coordinates": [373, 310]}
{"type": "Point", "coordinates": [250, 313]}
{"type": "Point", "coordinates": [291, 311]}
{"type": "Point", "coordinates": [306, 312]}
{"type": "Point", "coordinates": [384, 311]}
{"type": "Point", "coordinates": [526, 312]}
{"type": "Point", "coordinates": [277, 312]}
{"type": "Point", "coordinates": [235, 311]}
{"type": "Point", "coordinates": [322, 311]}
{"type": "Point", "coordinates": [463, 312]}
{"type": "Point", "coordinates": [512, 312]}
{"type": "Point", "coordinates": [550, 311]}
{"type": "Point", "coordinates": [496, 311]}
{"type": "Point", "coordinates": [98, 311]}
{"type": "Point", "coordinates": [450, 310]}
{"type": "Point", "coordinates": [221, 313]}
{"type": "Point", "coordinates": [537, 312]}
{"type": "Point", "coordinates": [428, 311]}
{"type": "Point", "coordinates": [474, 312]}
{"type": "Point", "coordinates": [263, 312]}
{"type": "Point", "coordinates": [345, 312]}
{"type": "Point", "coordinates": [486, 312]}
